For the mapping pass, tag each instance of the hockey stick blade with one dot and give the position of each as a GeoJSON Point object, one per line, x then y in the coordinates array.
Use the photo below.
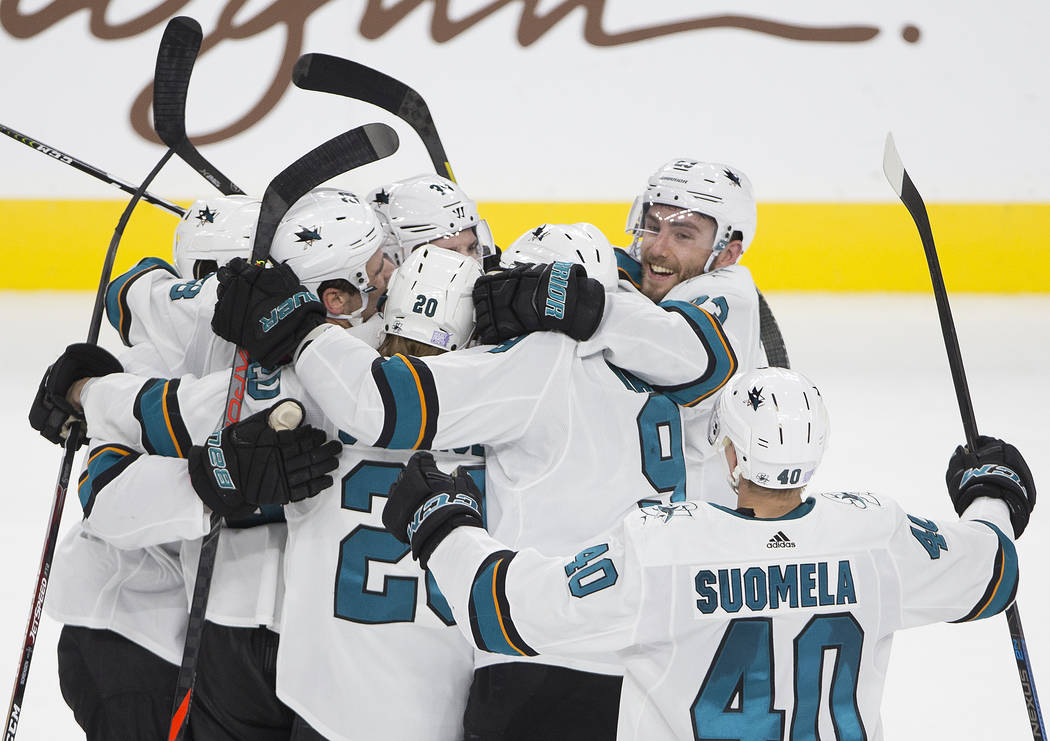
{"type": "Point", "coordinates": [902, 184]}
{"type": "Point", "coordinates": [909, 195]}
{"type": "Point", "coordinates": [179, 47]}
{"type": "Point", "coordinates": [91, 170]}
{"type": "Point", "coordinates": [351, 149]}
{"type": "Point", "coordinates": [328, 74]}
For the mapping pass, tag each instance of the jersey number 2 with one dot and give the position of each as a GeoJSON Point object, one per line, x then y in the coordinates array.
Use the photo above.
{"type": "Point", "coordinates": [367, 545]}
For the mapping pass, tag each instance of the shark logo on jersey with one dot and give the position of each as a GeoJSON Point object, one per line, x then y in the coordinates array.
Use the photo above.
{"type": "Point", "coordinates": [206, 216]}
{"type": "Point", "coordinates": [733, 177]}
{"type": "Point", "coordinates": [664, 512]}
{"type": "Point", "coordinates": [308, 235]}
{"type": "Point", "coordinates": [858, 499]}
{"type": "Point", "coordinates": [755, 398]}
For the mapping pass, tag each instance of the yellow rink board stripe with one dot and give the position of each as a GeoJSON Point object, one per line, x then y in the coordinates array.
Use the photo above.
{"type": "Point", "coordinates": [984, 248]}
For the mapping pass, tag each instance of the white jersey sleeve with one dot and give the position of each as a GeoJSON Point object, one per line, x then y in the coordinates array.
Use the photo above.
{"type": "Point", "coordinates": [483, 394]}
{"type": "Point", "coordinates": [728, 294]}
{"type": "Point", "coordinates": [969, 563]}
{"type": "Point", "coordinates": [676, 347]}
{"type": "Point", "coordinates": [523, 603]}
{"type": "Point", "coordinates": [151, 303]}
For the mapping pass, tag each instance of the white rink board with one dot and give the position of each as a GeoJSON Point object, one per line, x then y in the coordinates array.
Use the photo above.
{"type": "Point", "coordinates": [570, 115]}
{"type": "Point", "coordinates": [880, 363]}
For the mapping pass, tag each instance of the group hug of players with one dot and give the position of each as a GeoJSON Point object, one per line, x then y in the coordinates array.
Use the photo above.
{"type": "Point", "coordinates": [551, 492]}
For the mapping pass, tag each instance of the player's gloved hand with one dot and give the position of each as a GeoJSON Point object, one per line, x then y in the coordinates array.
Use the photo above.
{"type": "Point", "coordinates": [529, 298]}
{"type": "Point", "coordinates": [425, 505]}
{"type": "Point", "coordinates": [51, 413]}
{"type": "Point", "coordinates": [995, 470]}
{"type": "Point", "coordinates": [268, 458]}
{"type": "Point", "coordinates": [264, 310]}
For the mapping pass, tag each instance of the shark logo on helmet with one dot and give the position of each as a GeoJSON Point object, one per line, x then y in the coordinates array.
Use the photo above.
{"type": "Point", "coordinates": [755, 398]}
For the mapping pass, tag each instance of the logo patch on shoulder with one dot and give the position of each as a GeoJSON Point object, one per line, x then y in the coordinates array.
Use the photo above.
{"type": "Point", "coordinates": [664, 512]}
{"type": "Point", "coordinates": [858, 499]}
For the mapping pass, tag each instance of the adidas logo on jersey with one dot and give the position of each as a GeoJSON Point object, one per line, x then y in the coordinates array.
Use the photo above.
{"type": "Point", "coordinates": [780, 541]}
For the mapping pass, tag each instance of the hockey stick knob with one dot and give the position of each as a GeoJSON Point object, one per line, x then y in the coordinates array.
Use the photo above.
{"type": "Point", "coordinates": [287, 415]}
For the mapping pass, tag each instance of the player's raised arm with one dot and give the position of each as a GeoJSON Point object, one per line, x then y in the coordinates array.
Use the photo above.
{"type": "Point", "coordinates": [517, 603]}
{"type": "Point", "coordinates": [970, 561]}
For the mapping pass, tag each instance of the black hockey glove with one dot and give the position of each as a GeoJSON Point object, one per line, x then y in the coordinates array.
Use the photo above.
{"type": "Point", "coordinates": [996, 470]}
{"type": "Point", "coordinates": [530, 298]}
{"type": "Point", "coordinates": [264, 310]}
{"type": "Point", "coordinates": [267, 458]}
{"type": "Point", "coordinates": [51, 414]}
{"type": "Point", "coordinates": [425, 505]}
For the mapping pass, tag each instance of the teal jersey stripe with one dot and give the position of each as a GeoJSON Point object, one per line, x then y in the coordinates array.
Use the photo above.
{"type": "Point", "coordinates": [722, 362]}
{"type": "Point", "coordinates": [102, 469]}
{"type": "Point", "coordinates": [157, 438]}
{"type": "Point", "coordinates": [406, 406]}
{"type": "Point", "coordinates": [489, 632]}
{"type": "Point", "coordinates": [628, 268]}
{"type": "Point", "coordinates": [1004, 588]}
{"type": "Point", "coordinates": [117, 311]}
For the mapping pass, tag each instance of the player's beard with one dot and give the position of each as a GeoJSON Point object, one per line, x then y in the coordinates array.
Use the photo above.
{"type": "Point", "coordinates": [657, 292]}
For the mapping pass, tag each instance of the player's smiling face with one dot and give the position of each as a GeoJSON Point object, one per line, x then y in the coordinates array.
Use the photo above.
{"type": "Point", "coordinates": [675, 246]}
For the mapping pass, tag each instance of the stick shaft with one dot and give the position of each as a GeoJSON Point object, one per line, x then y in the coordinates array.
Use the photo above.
{"type": "Point", "coordinates": [91, 170]}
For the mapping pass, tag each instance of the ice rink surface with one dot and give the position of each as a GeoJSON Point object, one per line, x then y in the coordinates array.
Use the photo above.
{"type": "Point", "coordinates": [880, 362]}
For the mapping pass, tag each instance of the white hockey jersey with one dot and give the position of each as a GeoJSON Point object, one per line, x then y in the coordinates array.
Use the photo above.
{"type": "Point", "coordinates": [724, 621]}
{"type": "Point", "coordinates": [138, 593]}
{"type": "Point", "coordinates": [362, 623]}
{"type": "Point", "coordinates": [729, 294]}
{"type": "Point", "coordinates": [553, 416]}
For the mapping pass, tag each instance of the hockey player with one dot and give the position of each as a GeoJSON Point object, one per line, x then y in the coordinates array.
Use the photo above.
{"type": "Point", "coordinates": [725, 618]}
{"type": "Point", "coordinates": [385, 612]}
{"type": "Point", "coordinates": [430, 209]}
{"type": "Point", "coordinates": [361, 623]}
{"type": "Point", "coordinates": [124, 609]}
{"type": "Point", "coordinates": [149, 304]}
{"type": "Point", "coordinates": [617, 391]}
{"type": "Point", "coordinates": [691, 225]}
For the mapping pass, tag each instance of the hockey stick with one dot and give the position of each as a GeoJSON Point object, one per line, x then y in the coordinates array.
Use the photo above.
{"type": "Point", "coordinates": [72, 443]}
{"type": "Point", "coordinates": [348, 151]}
{"type": "Point", "coordinates": [901, 182]}
{"type": "Point", "coordinates": [327, 74]}
{"type": "Point", "coordinates": [178, 51]}
{"type": "Point", "coordinates": [91, 170]}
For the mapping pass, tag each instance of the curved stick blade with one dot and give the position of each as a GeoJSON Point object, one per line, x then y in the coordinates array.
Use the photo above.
{"type": "Point", "coordinates": [329, 74]}
{"type": "Point", "coordinates": [178, 51]}
{"type": "Point", "coordinates": [350, 150]}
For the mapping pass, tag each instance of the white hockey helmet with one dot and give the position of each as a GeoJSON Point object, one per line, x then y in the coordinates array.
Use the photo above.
{"type": "Point", "coordinates": [719, 191]}
{"type": "Point", "coordinates": [777, 423]}
{"type": "Point", "coordinates": [429, 298]}
{"type": "Point", "coordinates": [212, 232]}
{"type": "Point", "coordinates": [329, 234]}
{"type": "Point", "coordinates": [581, 243]}
{"type": "Point", "coordinates": [423, 208]}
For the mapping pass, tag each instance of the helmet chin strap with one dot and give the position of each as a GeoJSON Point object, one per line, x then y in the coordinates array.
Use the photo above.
{"type": "Point", "coordinates": [355, 317]}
